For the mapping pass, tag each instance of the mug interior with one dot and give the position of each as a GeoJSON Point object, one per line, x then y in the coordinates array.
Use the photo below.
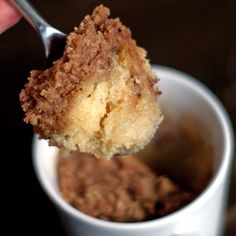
{"type": "Point", "coordinates": [187, 105]}
{"type": "Point", "coordinates": [189, 97]}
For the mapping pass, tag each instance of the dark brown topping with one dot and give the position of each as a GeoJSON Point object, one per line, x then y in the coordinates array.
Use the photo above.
{"type": "Point", "coordinates": [123, 189]}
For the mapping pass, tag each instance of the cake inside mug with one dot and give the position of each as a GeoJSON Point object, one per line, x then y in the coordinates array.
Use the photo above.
{"type": "Point", "coordinates": [100, 97]}
{"type": "Point", "coordinates": [167, 175]}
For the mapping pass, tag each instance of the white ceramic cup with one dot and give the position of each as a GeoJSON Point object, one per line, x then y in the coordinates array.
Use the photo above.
{"type": "Point", "coordinates": [204, 215]}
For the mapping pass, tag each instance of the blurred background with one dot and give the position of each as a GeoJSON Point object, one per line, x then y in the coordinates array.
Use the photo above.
{"type": "Point", "coordinates": [197, 37]}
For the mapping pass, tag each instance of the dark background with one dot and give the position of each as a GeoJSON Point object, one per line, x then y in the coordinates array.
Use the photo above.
{"type": "Point", "coordinates": [197, 37]}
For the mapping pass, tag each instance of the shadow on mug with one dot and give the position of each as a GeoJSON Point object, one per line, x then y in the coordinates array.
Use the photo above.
{"type": "Point", "coordinates": [182, 142]}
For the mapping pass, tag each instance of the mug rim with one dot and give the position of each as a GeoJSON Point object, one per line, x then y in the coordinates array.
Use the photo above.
{"type": "Point", "coordinates": [228, 138]}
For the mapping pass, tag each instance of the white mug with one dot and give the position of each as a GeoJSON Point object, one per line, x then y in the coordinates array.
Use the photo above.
{"type": "Point", "coordinates": [204, 215]}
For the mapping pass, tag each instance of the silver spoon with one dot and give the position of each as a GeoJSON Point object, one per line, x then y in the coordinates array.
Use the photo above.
{"type": "Point", "coordinates": [53, 39]}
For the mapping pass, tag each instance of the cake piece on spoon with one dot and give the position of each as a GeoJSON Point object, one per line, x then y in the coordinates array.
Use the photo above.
{"type": "Point", "coordinates": [100, 96]}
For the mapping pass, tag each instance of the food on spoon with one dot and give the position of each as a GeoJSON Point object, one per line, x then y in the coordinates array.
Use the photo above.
{"type": "Point", "coordinates": [100, 97]}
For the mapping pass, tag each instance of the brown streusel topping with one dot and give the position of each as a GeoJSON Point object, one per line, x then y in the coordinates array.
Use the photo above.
{"type": "Point", "coordinates": [122, 190]}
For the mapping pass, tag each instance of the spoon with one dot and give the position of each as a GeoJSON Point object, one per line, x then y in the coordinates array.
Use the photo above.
{"type": "Point", "coordinates": [53, 40]}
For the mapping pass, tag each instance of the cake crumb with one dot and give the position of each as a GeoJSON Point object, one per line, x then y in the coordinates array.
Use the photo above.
{"type": "Point", "coordinates": [121, 190]}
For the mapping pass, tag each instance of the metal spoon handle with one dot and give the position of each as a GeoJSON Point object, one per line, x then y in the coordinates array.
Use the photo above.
{"type": "Point", "coordinates": [30, 14]}
{"type": "Point", "coordinates": [53, 39]}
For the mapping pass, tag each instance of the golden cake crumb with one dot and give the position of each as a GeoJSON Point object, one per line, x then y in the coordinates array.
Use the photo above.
{"type": "Point", "coordinates": [100, 97]}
